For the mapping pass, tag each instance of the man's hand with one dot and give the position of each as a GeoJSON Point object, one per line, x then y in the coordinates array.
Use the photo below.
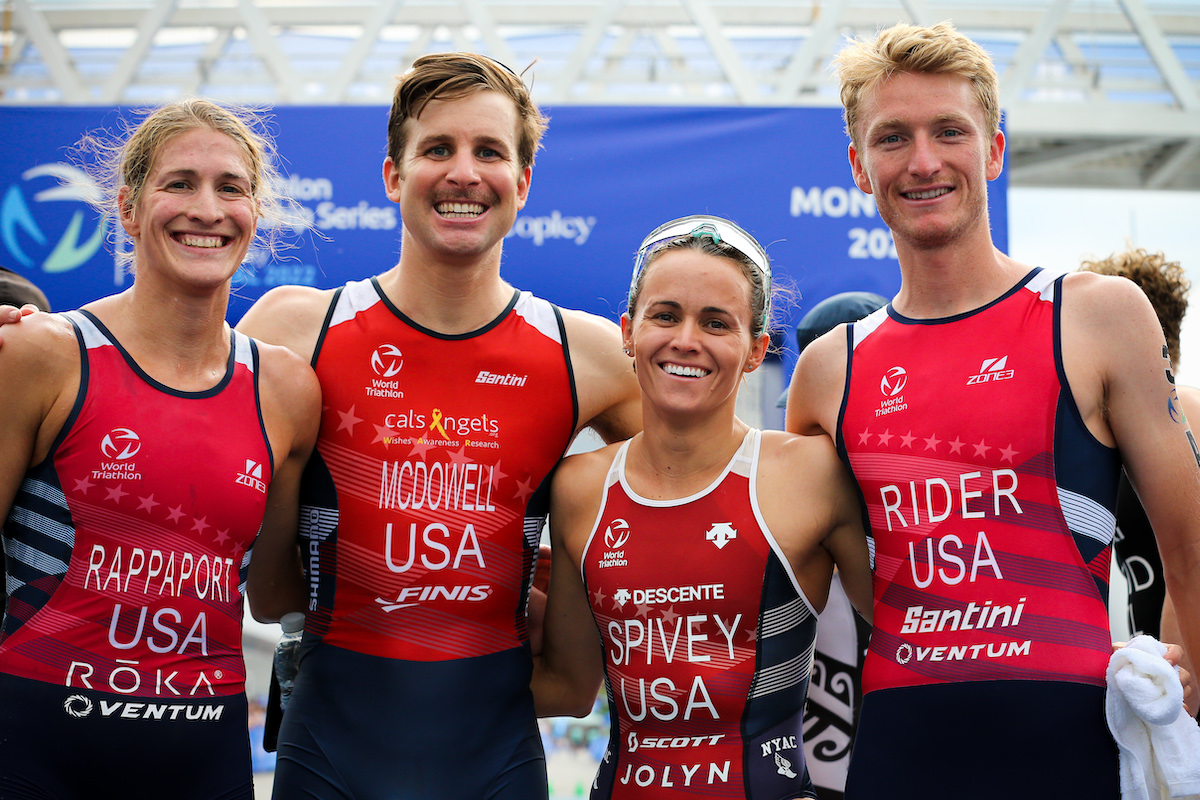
{"type": "Point", "coordinates": [10, 314]}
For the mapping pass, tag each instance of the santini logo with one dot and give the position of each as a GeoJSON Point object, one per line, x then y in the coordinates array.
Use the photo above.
{"type": "Point", "coordinates": [508, 379]}
{"type": "Point", "coordinates": [992, 369]}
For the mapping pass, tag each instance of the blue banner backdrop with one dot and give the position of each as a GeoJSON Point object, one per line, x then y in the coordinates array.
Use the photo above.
{"type": "Point", "coordinates": [605, 177]}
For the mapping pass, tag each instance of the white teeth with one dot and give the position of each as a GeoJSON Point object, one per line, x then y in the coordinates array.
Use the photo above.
{"type": "Point", "coordinates": [927, 195]}
{"type": "Point", "coordinates": [685, 372]}
{"type": "Point", "coordinates": [191, 240]}
{"type": "Point", "coordinates": [460, 209]}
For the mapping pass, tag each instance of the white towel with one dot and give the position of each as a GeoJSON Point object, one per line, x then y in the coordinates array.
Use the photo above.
{"type": "Point", "coordinates": [1159, 743]}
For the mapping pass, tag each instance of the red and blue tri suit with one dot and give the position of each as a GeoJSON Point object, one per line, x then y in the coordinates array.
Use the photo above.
{"type": "Point", "coordinates": [421, 516]}
{"type": "Point", "coordinates": [121, 671]}
{"type": "Point", "coordinates": [708, 642]}
{"type": "Point", "coordinates": [991, 510]}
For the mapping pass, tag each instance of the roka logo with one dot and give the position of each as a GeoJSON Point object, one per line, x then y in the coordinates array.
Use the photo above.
{"type": "Point", "coordinates": [120, 444]}
{"type": "Point", "coordinates": [893, 381]}
{"type": "Point", "coordinates": [616, 534]}
{"type": "Point", "coordinates": [387, 360]}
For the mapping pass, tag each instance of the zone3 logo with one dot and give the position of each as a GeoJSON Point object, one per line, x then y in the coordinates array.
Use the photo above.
{"type": "Point", "coordinates": [992, 369]}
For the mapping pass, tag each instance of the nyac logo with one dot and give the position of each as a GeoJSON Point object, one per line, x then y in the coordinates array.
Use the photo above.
{"type": "Point", "coordinates": [252, 476]}
{"type": "Point", "coordinates": [992, 369]}
{"type": "Point", "coordinates": [893, 381]}
{"type": "Point", "coordinates": [120, 444]}
{"type": "Point", "coordinates": [387, 360]}
{"type": "Point", "coordinates": [616, 534]}
{"type": "Point", "coordinates": [27, 242]}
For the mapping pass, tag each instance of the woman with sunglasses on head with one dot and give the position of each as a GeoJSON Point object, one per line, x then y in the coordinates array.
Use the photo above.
{"type": "Point", "coordinates": [701, 548]}
{"type": "Point", "coordinates": [145, 448]}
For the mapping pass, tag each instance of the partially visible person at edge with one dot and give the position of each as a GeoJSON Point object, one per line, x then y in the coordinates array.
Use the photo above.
{"type": "Point", "coordinates": [1136, 550]}
{"type": "Point", "coordinates": [706, 682]}
{"type": "Point", "coordinates": [835, 691]}
{"type": "Point", "coordinates": [449, 397]}
{"type": "Point", "coordinates": [986, 413]}
{"type": "Point", "coordinates": [143, 445]}
{"type": "Point", "coordinates": [17, 291]}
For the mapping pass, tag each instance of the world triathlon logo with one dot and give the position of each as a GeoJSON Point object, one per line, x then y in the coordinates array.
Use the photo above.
{"type": "Point", "coordinates": [893, 381]}
{"type": "Point", "coordinates": [120, 444]}
{"type": "Point", "coordinates": [616, 534]}
{"type": "Point", "coordinates": [387, 360]}
{"type": "Point", "coordinates": [77, 706]}
{"type": "Point", "coordinates": [38, 240]}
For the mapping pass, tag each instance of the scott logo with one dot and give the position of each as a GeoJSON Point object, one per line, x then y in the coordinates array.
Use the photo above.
{"type": "Point", "coordinates": [616, 534]}
{"type": "Point", "coordinates": [120, 444]}
{"type": "Point", "coordinates": [387, 360]}
{"type": "Point", "coordinates": [893, 381]}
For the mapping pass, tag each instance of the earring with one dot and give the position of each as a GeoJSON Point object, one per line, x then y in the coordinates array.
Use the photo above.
{"type": "Point", "coordinates": [628, 352]}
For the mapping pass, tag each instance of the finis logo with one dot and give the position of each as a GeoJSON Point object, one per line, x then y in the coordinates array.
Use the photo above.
{"type": "Point", "coordinates": [616, 534]}
{"type": "Point", "coordinates": [387, 360]}
{"type": "Point", "coordinates": [894, 381]}
{"type": "Point", "coordinates": [120, 444]}
{"type": "Point", "coordinates": [252, 476]}
{"type": "Point", "coordinates": [992, 369]}
{"type": "Point", "coordinates": [720, 534]}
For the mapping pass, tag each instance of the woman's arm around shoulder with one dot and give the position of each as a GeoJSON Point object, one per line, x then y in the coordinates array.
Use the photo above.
{"type": "Point", "coordinates": [291, 408]}
{"type": "Point", "coordinates": [568, 672]}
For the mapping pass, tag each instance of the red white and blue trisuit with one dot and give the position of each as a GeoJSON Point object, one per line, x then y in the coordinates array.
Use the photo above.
{"type": "Point", "coordinates": [421, 516]}
{"type": "Point", "coordinates": [708, 642]}
{"type": "Point", "coordinates": [991, 511]}
{"type": "Point", "coordinates": [121, 671]}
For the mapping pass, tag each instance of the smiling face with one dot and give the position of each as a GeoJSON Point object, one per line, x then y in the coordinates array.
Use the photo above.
{"type": "Point", "coordinates": [459, 184]}
{"type": "Point", "coordinates": [926, 155]}
{"type": "Point", "coordinates": [689, 332]}
{"type": "Point", "coordinates": [196, 216]}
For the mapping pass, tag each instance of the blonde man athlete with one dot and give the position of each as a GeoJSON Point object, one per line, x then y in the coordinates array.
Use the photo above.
{"type": "Point", "coordinates": [985, 414]}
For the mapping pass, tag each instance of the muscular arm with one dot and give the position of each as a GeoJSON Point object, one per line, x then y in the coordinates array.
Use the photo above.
{"type": "Point", "coordinates": [568, 673]}
{"type": "Point", "coordinates": [289, 316]}
{"type": "Point", "coordinates": [810, 503]}
{"type": "Point", "coordinates": [815, 393]}
{"type": "Point", "coordinates": [609, 398]}
{"type": "Point", "coordinates": [1120, 378]}
{"type": "Point", "coordinates": [291, 400]}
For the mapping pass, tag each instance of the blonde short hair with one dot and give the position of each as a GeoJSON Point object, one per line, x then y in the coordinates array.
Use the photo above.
{"type": "Point", "coordinates": [865, 63]}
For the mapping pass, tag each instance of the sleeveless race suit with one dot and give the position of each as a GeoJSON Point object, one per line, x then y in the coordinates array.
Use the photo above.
{"type": "Point", "coordinates": [991, 516]}
{"type": "Point", "coordinates": [425, 504]}
{"type": "Point", "coordinates": [708, 642]}
{"type": "Point", "coordinates": [121, 671]}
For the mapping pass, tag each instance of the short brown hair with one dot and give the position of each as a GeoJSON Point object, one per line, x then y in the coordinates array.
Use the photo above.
{"type": "Point", "coordinates": [913, 48]}
{"type": "Point", "coordinates": [1162, 281]}
{"type": "Point", "coordinates": [452, 76]}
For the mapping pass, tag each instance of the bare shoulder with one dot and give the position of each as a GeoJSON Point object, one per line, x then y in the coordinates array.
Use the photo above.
{"type": "Point", "coordinates": [1095, 301]}
{"type": "Point", "coordinates": [787, 458]}
{"type": "Point", "coordinates": [289, 376]}
{"type": "Point", "coordinates": [818, 381]}
{"type": "Point", "coordinates": [290, 316]}
{"type": "Point", "coordinates": [609, 398]}
{"type": "Point", "coordinates": [42, 342]}
{"type": "Point", "coordinates": [576, 494]}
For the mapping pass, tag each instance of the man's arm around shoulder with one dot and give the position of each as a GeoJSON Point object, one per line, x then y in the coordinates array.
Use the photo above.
{"type": "Point", "coordinates": [289, 316]}
{"type": "Point", "coordinates": [607, 388]}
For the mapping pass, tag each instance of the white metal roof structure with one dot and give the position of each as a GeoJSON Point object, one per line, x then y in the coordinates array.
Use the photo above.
{"type": "Point", "coordinates": [1097, 93]}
